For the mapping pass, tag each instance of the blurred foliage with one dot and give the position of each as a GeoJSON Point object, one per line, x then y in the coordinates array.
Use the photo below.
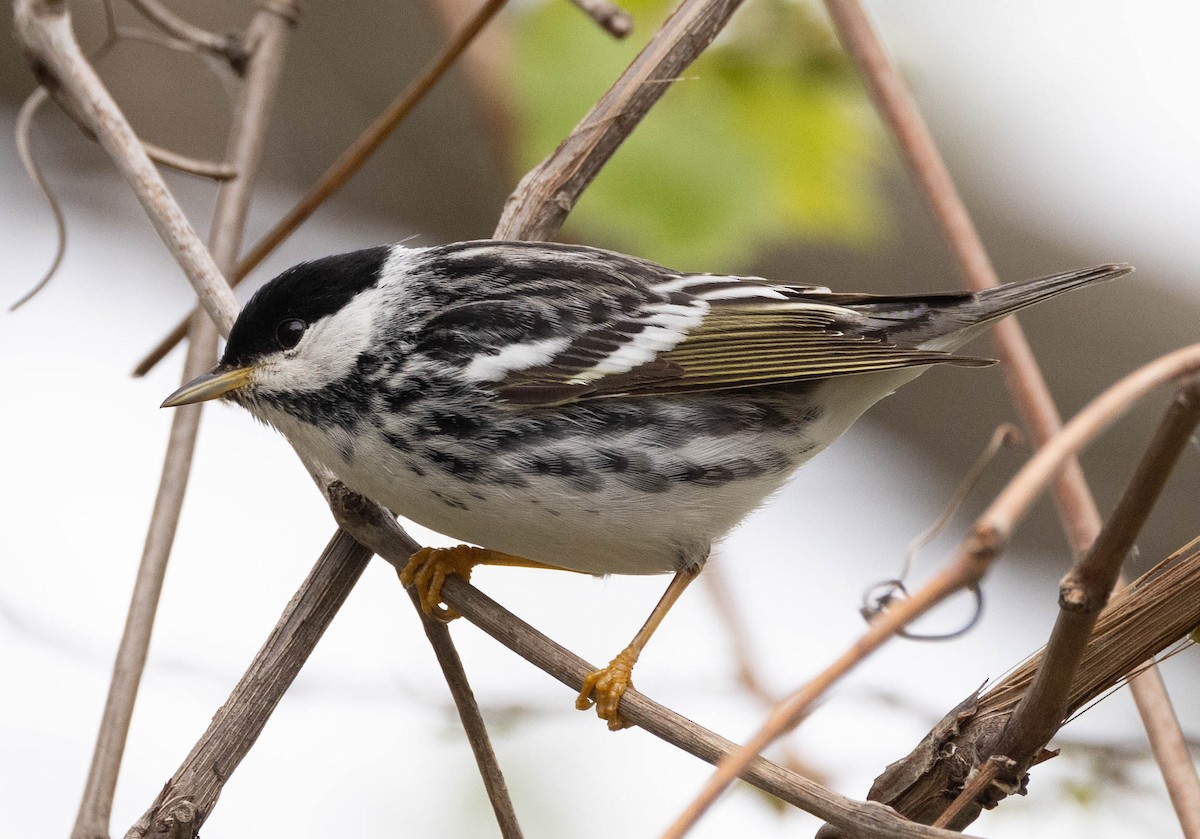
{"type": "Point", "coordinates": [767, 138]}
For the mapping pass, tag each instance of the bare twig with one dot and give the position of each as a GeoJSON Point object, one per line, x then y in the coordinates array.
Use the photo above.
{"type": "Point", "coordinates": [1027, 386]}
{"type": "Point", "coordinates": [22, 133]}
{"type": "Point", "coordinates": [540, 204]}
{"type": "Point", "coordinates": [987, 538]}
{"type": "Point", "coordinates": [240, 720]}
{"type": "Point", "coordinates": [1085, 589]}
{"type": "Point", "coordinates": [983, 778]}
{"type": "Point", "coordinates": [230, 47]}
{"type": "Point", "coordinates": [1005, 435]}
{"type": "Point", "coordinates": [44, 30]}
{"type": "Point", "coordinates": [342, 169]}
{"type": "Point", "coordinates": [210, 169]}
{"type": "Point", "coordinates": [608, 16]}
{"type": "Point", "coordinates": [1142, 620]}
{"type": "Point", "coordinates": [378, 530]}
{"type": "Point", "coordinates": [246, 138]}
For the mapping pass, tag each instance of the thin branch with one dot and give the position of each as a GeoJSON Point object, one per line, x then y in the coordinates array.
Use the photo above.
{"type": "Point", "coordinates": [983, 778]}
{"type": "Point", "coordinates": [44, 30]}
{"type": "Point", "coordinates": [540, 204]}
{"type": "Point", "coordinates": [1085, 589]}
{"type": "Point", "coordinates": [213, 170]}
{"type": "Point", "coordinates": [468, 712]}
{"type": "Point", "coordinates": [240, 720]}
{"type": "Point", "coordinates": [342, 169]}
{"type": "Point", "coordinates": [229, 47]}
{"type": "Point", "coordinates": [1141, 621]}
{"type": "Point", "coordinates": [379, 531]}
{"type": "Point", "coordinates": [1027, 387]}
{"type": "Point", "coordinates": [24, 151]}
{"type": "Point", "coordinates": [975, 555]}
{"type": "Point", "coordinates": [247, 131]}
{"type": "Point", "coordinates": [22, 133]}
{"type": "Point", "coordinates": [608, 16]}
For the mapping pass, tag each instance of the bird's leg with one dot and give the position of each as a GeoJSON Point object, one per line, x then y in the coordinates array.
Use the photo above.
{"type": "Point", "coordinates": [427, 570]}
{"type": "Point", "coordinates": [609, 684]}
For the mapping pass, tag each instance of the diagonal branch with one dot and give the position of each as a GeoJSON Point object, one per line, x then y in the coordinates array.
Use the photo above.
{"type": "Point", "coordinates": [374, 527]}
{"type": "Point", "coordinates": [540, 204]}
{"type": "Point", "coordinates": [1085, 589]}
{"type": "Point", "coordinates": [237, 724]}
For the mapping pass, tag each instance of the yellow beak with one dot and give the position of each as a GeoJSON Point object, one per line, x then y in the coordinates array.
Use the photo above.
{"type": "Point", "coordinates": [210, 386]}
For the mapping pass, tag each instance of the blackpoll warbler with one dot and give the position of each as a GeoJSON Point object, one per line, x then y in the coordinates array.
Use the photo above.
{"type": "Point", "coordinates": [572, 407]}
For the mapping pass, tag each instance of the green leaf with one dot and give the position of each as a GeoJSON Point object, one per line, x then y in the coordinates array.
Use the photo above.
{"type": "Point", "coordinates": [766, 139]}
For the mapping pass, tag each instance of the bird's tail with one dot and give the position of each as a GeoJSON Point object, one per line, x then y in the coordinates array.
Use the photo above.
{"type": "Point", "coordinates": [1002, 300]}
{"type": "Point", "coordinates": [946, 320]}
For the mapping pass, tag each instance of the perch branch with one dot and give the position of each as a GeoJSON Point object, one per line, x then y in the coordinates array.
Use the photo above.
{"type": "Point", "coordinates": [375, 528]}
{"type": "Point", "coordinates": [1027, 387]}
{"type": "Point", "coordinates": [247, 131]}
{"type": "Point", "coordinates": [342, 169]}
{"type": "Point", "coordinates": [378, 530]}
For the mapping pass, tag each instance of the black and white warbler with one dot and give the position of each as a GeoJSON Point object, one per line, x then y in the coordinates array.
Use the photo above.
{"type": "Point", "coordinates": [573, 407]}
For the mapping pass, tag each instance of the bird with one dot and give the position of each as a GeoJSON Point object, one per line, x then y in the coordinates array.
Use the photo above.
{"type": "Point", "coordinates": [564, 406]}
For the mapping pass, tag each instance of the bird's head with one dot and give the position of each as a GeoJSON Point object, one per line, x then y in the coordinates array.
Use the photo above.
{"type": "Point", "coordinates": [299, 333]}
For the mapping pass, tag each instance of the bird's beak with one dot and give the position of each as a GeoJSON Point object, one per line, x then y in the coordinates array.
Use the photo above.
{"type": "Point", "coordinates": [210, 386]}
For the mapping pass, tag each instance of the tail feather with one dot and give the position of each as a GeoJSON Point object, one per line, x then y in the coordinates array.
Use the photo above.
{"type": "Point", "coordinates": [944, 321]}
{"type": "Point", "coordinates": [1003, 300]}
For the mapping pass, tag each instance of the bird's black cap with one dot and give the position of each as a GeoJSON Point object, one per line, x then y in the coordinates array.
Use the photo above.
{"type": "Point", "coordinates": [308, 291]}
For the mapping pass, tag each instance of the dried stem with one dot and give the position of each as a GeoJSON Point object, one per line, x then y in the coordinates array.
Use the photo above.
{"type": "Point", "coordinates": [233, 200]}
{"type": "Point", "coordinates": [992, 768]}
{"type": "Point", "coordinates": [1140, 621]}
{"type": "Point", "coordinates": [1085, 589]}
{"type": "Point", "coordinates": [608, 16]}
{"type": "Point", "coordinates": [240, 720]}
{"type": "Point", "coordinates": [342, 169]}
{"type": "Point", "coordinates": [378, 530]}
{"type": "Point", "coordinates": [25, 152]}
{"type": "Point", "coordinates": [540, 204]}
{"type": "Point", "coordinates": [44, 30]}
{"type": "Point", "coordinates": [1027, 387]}
{"type": "Point", "coordinates": [987, 538]}
{"type": "Point", "coordinates": [190, 165]}
{"type": "Point", "coordinates": [227, 46]}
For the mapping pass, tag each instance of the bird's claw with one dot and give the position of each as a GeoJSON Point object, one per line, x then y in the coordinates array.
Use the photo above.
{"type": "Point", "coordinates": [609, 685]}
{"type": "Point", "coordinates": [427, 570]}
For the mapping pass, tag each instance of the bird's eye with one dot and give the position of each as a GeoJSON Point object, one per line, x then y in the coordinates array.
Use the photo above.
{"type": "Point", "coordinates": [289, 332]}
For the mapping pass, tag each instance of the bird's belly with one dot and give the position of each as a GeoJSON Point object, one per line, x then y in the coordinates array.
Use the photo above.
{"type": "Point", "coordinates": [622, 498]}
{"type": "Point", "coordinates": [607, 530]}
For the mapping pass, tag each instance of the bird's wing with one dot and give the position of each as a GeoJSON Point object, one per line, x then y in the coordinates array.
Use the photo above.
{"type": "Point", "coordinates": [699, 333]}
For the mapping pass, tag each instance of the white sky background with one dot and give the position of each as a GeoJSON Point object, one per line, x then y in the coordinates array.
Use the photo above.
{"type": "Point", "coordinates": [1088, 103]}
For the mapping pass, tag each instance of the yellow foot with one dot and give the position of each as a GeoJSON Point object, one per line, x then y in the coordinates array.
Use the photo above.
{"type": "Point", "coordinates": [609, 686]}
{"type": "Point", "coordinates": [427, 570]}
